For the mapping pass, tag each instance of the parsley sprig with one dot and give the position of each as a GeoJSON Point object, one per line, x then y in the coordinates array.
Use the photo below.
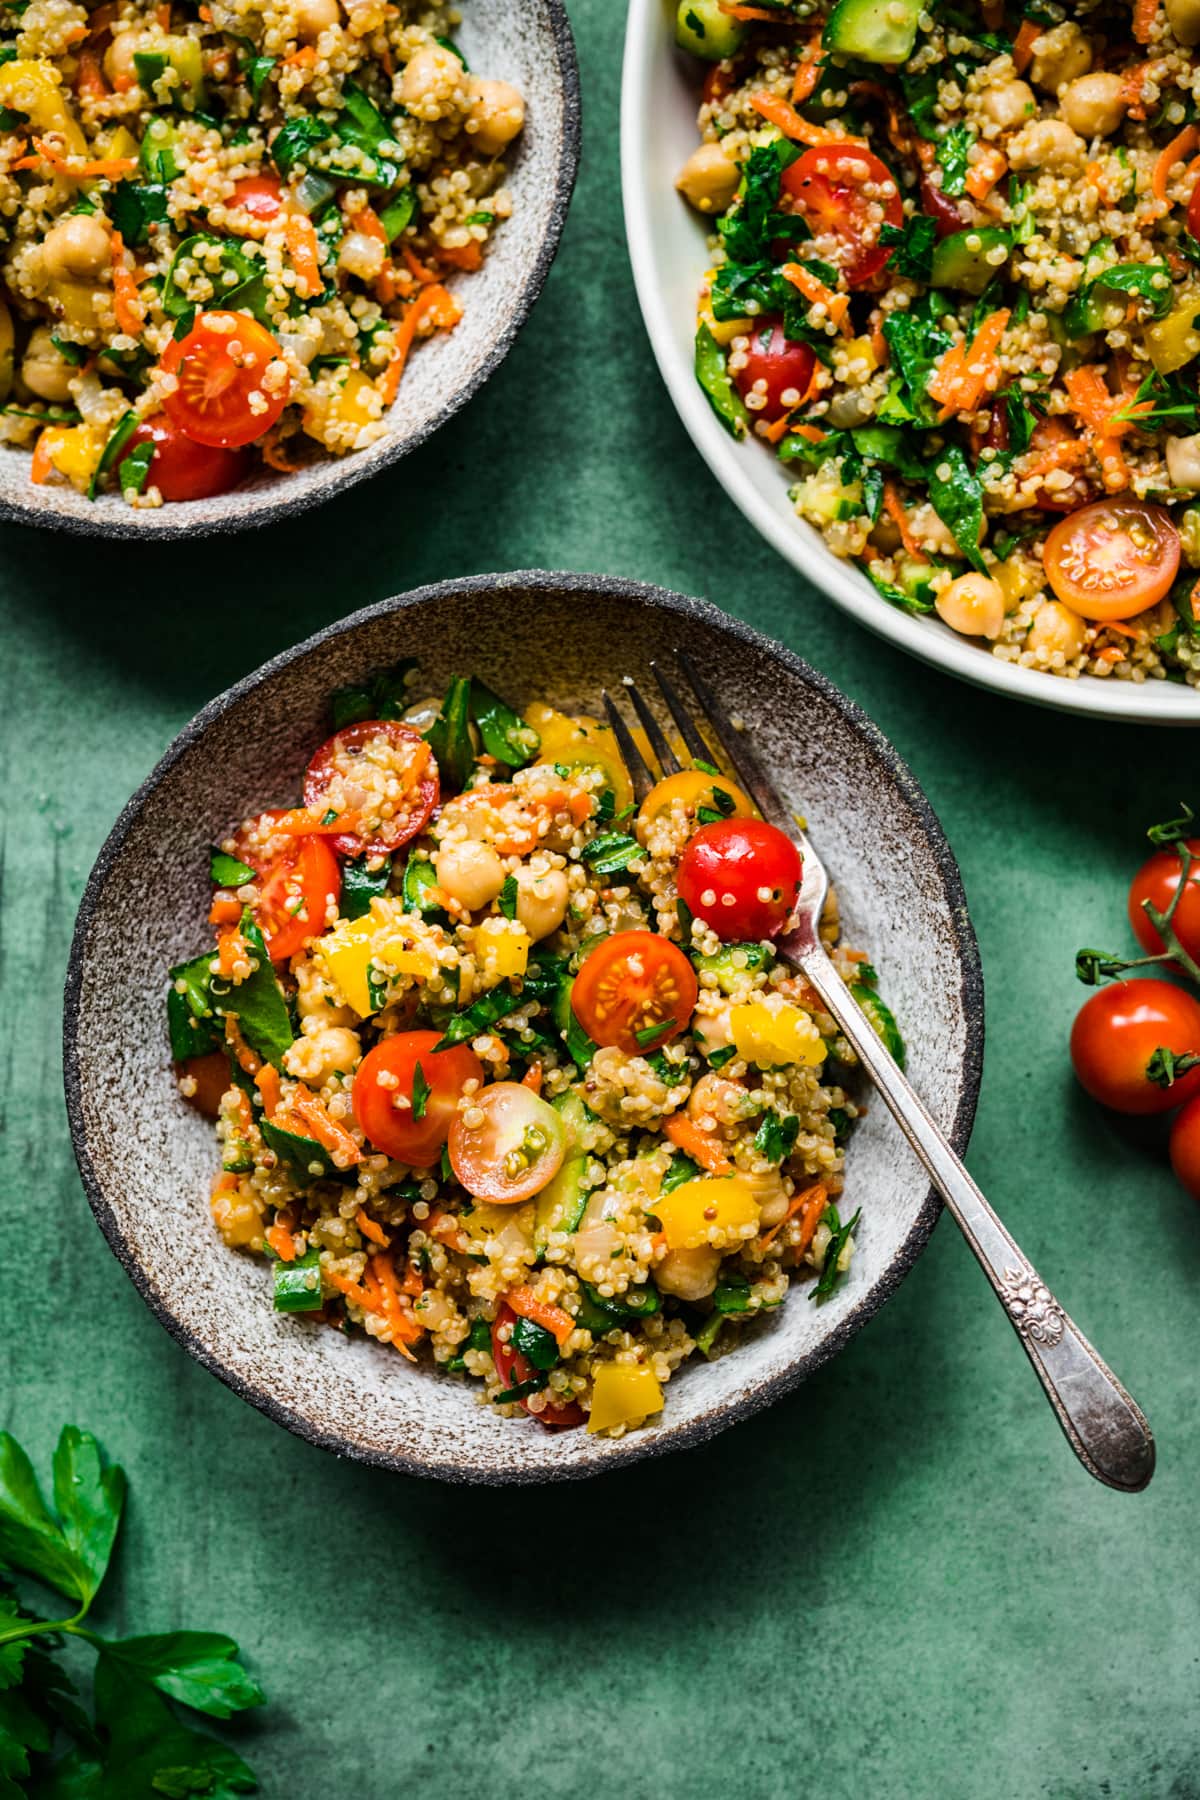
{"type": "Point", "coordinates": [133, 1745]}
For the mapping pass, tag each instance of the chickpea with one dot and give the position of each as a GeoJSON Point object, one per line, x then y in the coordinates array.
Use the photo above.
{"type": "Point", "coordinates": [688, 1274]}
{"type": "Point", "coordinates": [315, 16]}
{"type": "Point", "coordinates": [708, 179]}
{"type": "Point", "coordinates": [119, 65]}
{"type": "Point", "coordinates": [1056, 627]}
{"type": "Point", "coordinates": [932, 532]}
{"type": "Point", "coordinates": [1183, 462]}
{"type": "Point", "coordinates": [43, 370]}
{"type": "Point", "coordinates": [1046, 143]}
{"type": "Point", "coordinates": [76, 248]}
{"type": "Point", "coordinates": [496, 115]}
{"type": "Point", "coordinates": [1009, 104]}
{"type": "Point", "coordinates": [1095, 105]}
{"type": "Point", "coordinates": [1059, 56]}
{"type": "Point", "coordinates": [973, 605]}
{"type": "Point", "coordinates": [541, 900]}
{"type": "Point", "coordinates": [317, 1056]}
{"type": "Point", "coordinates": [715, 1100]}
{"type": "Point", "coordinates": [434, 83]}
{"type": "Point", "coordinates": [470, 873]}
{"type": "Point", "coordinates": [772, 1196]}
{"type": "Point", "coordinates": [1183, 16]}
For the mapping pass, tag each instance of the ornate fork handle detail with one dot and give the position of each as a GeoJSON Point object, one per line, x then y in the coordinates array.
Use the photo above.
{"type": "Point", "coordinates": [1104, 1426]}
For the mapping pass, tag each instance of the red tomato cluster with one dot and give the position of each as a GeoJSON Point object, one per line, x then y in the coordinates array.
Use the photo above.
{"type": "Point", "coordinates": [1130, 1039]}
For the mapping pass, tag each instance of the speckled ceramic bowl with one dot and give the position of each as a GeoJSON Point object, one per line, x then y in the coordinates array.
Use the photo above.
{"type": "Point", "coordinates": [147, 1160]}
{"type": "Point", "coordinates": [529, 43]}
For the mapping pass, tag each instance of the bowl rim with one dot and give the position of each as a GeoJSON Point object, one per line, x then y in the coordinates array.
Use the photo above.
{"type": "Point", "coordinates": [639, 1445]}
{"type": "Point", "coordinates": [737, 470]}
{"type": "Point", "coordinates": [341, 473]}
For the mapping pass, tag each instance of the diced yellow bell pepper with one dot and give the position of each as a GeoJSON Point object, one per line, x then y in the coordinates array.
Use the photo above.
{"type": "Point", "coordinates": [120, 142]}
{"type": "Point", "coordinates": [1174, 341]}
{"type": "Point", "coordinates": [506, 1229]}
{"type": "Point", "coordinates": [623, 1394]}
{"type": "Point", "coordinates": [76, 302]}
{"type": "Point", "coordinates": [347, 952]}
{"type": "Point", "coordinates": [860, 349]}
{"type": "Point", "coordinates": [581, 743]}
{"type": "Point", "coordinates": [723, 330]}
{"type": "Point", "coordinates": [34, 88]}
{"type": "Point", "coordinates": [690, 1212]}
{"type": "Point", "coordinates": [770, 1032]}
{"type": "Point", "coordinates": [501, 950]}
{"type": "Point", "coordinates": [354, 401]}
{"type": "Point", "coordinates": [74, 450]}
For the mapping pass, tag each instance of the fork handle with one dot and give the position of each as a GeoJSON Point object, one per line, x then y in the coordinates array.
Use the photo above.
{"type": "Point", "coordinates": [1103, 1425]}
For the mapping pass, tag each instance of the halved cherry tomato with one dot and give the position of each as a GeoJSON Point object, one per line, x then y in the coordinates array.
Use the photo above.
{"type": "Point", "coordinates": [515, 1369]}
{"type": "Point", "coordinates": [513, 1150]}
{"type": "Point", "coordinates": [1185, 1148]}
{"type": "Point", "coordinates": [182, 469]}
{"type": "Point", "coordinates": [383, 772]}
{"type": "Point", "coordinates": [740, 876]}
{"type": "Point", "coordinates": [1112, 559]}
{"type": "Point", "coordinates": [210, 1073]}
{"type": "Point", "coordinates": [947, 214]}
{"type": "Point", "coordinates": [1157, 881]}
{"type": "Point", "coordinates": [782, 366]}
{"type": "Point", "coordinates": [1116, 1034]}
{"type": "Point", "coordinates": [848, 196]}
{"type": "Point", "coordinates": [298, 877]}
{"type": "Point", "coordinates": [694, 790]}
{"type": "Point", "coordinates": [219, 366]}
{"type": "Point", "coordinates": [386, 1109]}
{"type": "Point", "coordinates": [635, 992]}
{"type": "Point", "coordinates": [260, 195]}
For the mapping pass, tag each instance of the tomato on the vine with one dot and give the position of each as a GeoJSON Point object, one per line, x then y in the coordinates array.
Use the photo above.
{"type": "Point", "coordinates": [1185, 1148]}
{"type": "Point", "coordinates": [1158, 881]}
{"type": "Point", "coordinates": [1116, 1036]}
{"type": "Point", "coordinates": [847, 196]}
{"type": "Point", "coordinates": [635, 992]}
{"type": "Point", "coordinates": [406, 1094]}
{"type": "Point", "coordinates": [742, 877]}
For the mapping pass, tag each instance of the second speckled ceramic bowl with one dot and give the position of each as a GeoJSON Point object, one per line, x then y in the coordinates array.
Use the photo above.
{"type": "Point", "coordinates": [147, 1160]}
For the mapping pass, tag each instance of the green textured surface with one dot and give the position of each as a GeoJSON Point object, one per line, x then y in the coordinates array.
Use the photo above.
{"type": "Point", "coordinates": [898, 1582]}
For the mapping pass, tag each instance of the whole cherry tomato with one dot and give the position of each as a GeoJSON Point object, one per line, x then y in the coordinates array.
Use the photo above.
{"type": "Point", "coordinates": [1116, 1035]}
{"type": "Point", "coordinates": [1185, 1148]}
{"type": "Point", "coordinates": [742, 877]}
{"type": "Point", "coordinates": [1157, 881]}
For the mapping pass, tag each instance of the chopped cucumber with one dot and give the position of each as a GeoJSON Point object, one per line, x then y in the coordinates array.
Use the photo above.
{"type": "Point", "coordinates": [298, 1284]}
{"type": "Point", "coordinates": [420, 877]}
{"type": "Point", "coordinates": [962, 261]}
{"type": "Point", "coordinates": [732, 964]}
{"type": "Point", "coordinates": [875, 31]}
{"type": "Point", "coordinates": [702, 28]}
{"type": "Point", "coordinates": [561, 1204]}
{"type": "Point", "coordinates": [600, 1315]}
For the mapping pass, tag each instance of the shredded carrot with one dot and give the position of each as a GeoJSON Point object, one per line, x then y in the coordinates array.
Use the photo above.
{"type": "Point", "coordinates": [817, 294]}
{"type": "Point", "coordinates": [267, 1083]}
{"type": "Point", "coordinates": [532, 1079]}
{"type": "Point", "coordinates": [403, 1326]}
{"type": "Point", "coordinates": [1121, 630]}
{"type": "Point", "coordinates": [127, 305]}
{"type": "Point", "coordinates": [225, 910]}
{"type": "Point", "coordinates": [1110, 655]}
{"type": "Point", "coordinates": [445, 1227]}
{"type": "Point", "coordinates": [525, 1304]}
{"type": "Point", "coordinates": [779, 428]}
{"type": "Point", "coordinates": [1092, 402]}
{"type": "Point", "coordinates": [371, 1228]}
{"type": "Point", "coordinates": [964, 376]}
{"type": "Point", "coordinates": [1177, 151]}
{"type": "Point", "coordinates": [464, 256]}
{"type": "Point", "coordinates": [205, 13]}
{"type": "Point", "coordinates": [111, 168]}
{"type": "Point", "coordinates": [1133, 88]}
{"type": "Point", "coordinates": [301, 823]}
{"type": "Point", "coordinates": [658, 1243]}
{"type": "Point", "coordinates": [304, 251]}
{"type": "Point", "coordinates": [328, 1132]}
{"type": "Point", "coordinates": [735, 11]}
{"type": "Point", "coordinates": [89, 81]}
{"type": "Point", "coordinates": [282, 1242]}
{"type": "Point", "coordinates": [1026, 38]}
{"type": "Point", "coordinates": [434, 302]}
{"type": "Point", "coordinates": [417, 269]}
{"type": "Point", "coordinates": [704, 1147]}
{"type": "Point", "coordinates": [231, 949]}
{"type": "Point", "coordinates": [303, 58]}
{"type": "Point", "coordinates": [894, 507]}
{"type": "Point", "coordinates": [785, 118]}
{"type": "Point", "coordinates": [385, 59]}
{"type": "Point", "coordinates": [41, 468]}
{"type": "Point", "coordinates": [812, 1203]}
{"type": "Point", "coordinates": [412, 1283]}
{"type": "Point", "coordinates": [811, 433]}
{"type": "Point", "coordinates": [360, 1296]}
{"type": "Point", "coordinates": [985, 172]}
{"type": "Point", "coordinates": [1144, 14]}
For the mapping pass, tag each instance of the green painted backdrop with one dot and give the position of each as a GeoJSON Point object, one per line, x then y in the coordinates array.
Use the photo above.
{"type": "Point", "coordinates": [898, 1582]}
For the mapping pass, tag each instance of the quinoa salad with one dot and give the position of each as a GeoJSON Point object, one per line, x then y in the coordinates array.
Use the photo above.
{"type": "Point", "coordinates": [224, 226]}
{"type": "Point", "coordinates": [505, 1070]}
{"type": "Point", "coordinates": [955, 288]}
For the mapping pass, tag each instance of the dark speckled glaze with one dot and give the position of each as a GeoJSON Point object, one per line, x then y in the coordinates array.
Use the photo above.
{"type": "Point", "coordinates": [529, 43]}
{"type": "Point", "coordinates": [147, 1160]}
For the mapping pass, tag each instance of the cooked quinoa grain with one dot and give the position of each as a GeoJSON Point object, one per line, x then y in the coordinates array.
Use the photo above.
{"type": "Point", "coordinates": [955, 288]}
{"type": "Point", "coordinates": [486, 1087]}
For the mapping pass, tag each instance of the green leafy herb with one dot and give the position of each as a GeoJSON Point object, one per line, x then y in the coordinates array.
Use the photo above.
{"type": "Point", "coordinates": [258, 1001]}
{"type": "Point", "coordinates": [610, 851]}
{"type": "Point", "coordinates": [295, 142]}
{"type": "Point", "coordinates": [449, 737]}
{"type": "Point", "coordinates": [120, 435]}
{"type": "Point", "coordinates": [384, 696]}
{"type": "Point", "coordinates": [718, 1058]}
{"type": "Point", "coordinates": [75, 354]}
{"type": "Point", "coordinates": [134, 471]}
{"type": "Point", "coordinates": [505, 734]}
{"type": "Point", "coordinates": [257, 72]}
{"type": "Point", "coordinates": [913, 246]}
{"type": "Point", "coordinates": [507, 900]}
{"type": "Point", "coordinates": [192, 1016]}
{"type": "Point", "coordinates": [601, 1313]}
{"type": "Point", "coordinates": [957, 496]}
{"type": "Point", "coordinates": [776, 1136]}
{"type": "Point", "coordinates": [953, 154]}
{"type": "Point", "coordinates": [732, 1295]}
{"type": "Point", "coordinates": [480, 1016]}
{"type": "Point", "coordinates": [135, 207]}
{"type": "Point", "coordinates": [713, 376]}
{"type": "Point", "coordinates": [420, 1092]}
{"type": "Point", "coordinates": [307, 1160]}
{"type": "Point", "coordinates": [830, 1273]}
{"type": "Point", "coordinates": [681, 1169]}
{"type": "Point", "coordinates": [227, 871]}
{"type": "Point", "coordinates": [135, 1745]}
{"type": "Point", "coordinates": [916, 339]}
{"type": "Point", "coordinates": [535, 1343]}
{"type": "Point", "coordinates": [363, 880]}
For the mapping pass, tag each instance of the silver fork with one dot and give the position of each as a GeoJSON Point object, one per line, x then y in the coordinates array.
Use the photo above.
{"type": "Point", "coordinates": [1103, 1425]}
